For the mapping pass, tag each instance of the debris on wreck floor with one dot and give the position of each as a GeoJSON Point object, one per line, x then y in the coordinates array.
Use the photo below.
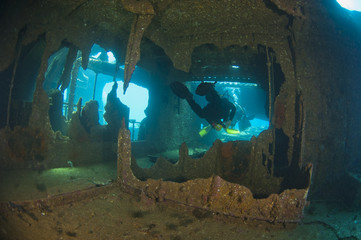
{"type": "Point", "coordinates": [28, 184]}
{"type": "Point", "coordinates": [112, 214]}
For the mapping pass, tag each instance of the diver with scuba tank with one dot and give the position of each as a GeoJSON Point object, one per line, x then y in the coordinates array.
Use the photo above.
{"type": "Point", "coordinates": [219, 112]}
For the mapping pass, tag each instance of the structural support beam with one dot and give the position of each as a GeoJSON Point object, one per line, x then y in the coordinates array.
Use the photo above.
{"type": "Point", "coordinates": [144, 13]}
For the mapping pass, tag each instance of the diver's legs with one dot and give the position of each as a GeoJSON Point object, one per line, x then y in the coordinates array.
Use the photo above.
{"type": "Point", "coordinates": [181, 90]}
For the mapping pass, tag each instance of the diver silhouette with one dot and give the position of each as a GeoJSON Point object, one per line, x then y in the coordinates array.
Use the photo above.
{"type": "Point", "coordinates": [219, 112]}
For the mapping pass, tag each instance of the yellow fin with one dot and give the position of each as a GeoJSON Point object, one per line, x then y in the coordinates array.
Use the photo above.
{"type": "Point", "coordinates": [205, 130]}
{"type": "Point", "coordinates": [232, 131]}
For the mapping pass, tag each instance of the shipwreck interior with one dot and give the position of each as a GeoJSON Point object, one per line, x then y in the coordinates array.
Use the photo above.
{"type": "Point", "coordinates": [88, 116]}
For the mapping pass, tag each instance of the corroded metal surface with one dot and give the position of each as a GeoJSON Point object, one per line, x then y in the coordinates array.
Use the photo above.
{"type": "Point", "coordinates": [138, 6]}
{"type": "Point", "coordinates": [139, 25]}
{"type": "Point", "coordinates": [144, 14]}
{"type": "Point", "coordinates": [186, 167]}
{"type": "Point", "coordinates": [212, 194]}
{"type": "Point", "coordinates": [66, 76]}
{"type": "Point", "coordinates": [292, 7]}
{"type": "Point", "coordinates": [124, 176]}
{"type": "Point", "coordinates": [57, 200]}
{"type": "Point", "coordinates": [180, 26]}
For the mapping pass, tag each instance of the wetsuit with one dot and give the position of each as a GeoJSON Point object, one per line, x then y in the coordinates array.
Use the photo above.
{"type": "Point", "coordinates": [217, 111]}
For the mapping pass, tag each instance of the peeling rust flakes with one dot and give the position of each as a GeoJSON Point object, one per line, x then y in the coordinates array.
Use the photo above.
{"type": "Point", "coordinates": [124, 147]}
{"type": "Point", "coordinates": [144, 13]}
{"type": "Point", "coordinates": [139, 25]}
{"type": "Point", "coordinates": [65, 77]}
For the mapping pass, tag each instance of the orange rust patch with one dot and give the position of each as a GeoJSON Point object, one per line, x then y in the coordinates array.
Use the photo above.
{"type": "Point", "coordinates": [227, 150]}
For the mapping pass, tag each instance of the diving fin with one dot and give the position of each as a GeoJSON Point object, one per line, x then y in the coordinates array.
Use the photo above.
{"type": "Point", "coordinates": [218, 127]}
{"type": "Point", "coordinates": [232, 131]}
{"type": "Point", "coordinates": [180, 90]}
{"type": "Point", "coordinates": [244, 123]}
{"type": "Point", "coordinates": [205, 130]}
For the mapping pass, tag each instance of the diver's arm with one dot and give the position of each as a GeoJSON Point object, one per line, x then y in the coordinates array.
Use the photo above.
{"type": "Point", "coordinates": [195, 107]}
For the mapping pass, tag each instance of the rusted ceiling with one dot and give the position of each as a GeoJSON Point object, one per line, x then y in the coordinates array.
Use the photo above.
{"type": "Point", "coordinates": [177, 27]}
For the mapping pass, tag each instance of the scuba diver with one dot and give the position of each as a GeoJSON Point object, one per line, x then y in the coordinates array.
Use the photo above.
{"type": "Point", "coordinates": [219, 112]}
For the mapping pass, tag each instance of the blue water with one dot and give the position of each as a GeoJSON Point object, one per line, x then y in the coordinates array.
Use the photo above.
{"type": "Point", "coordinates": [136, 98]}
{"type": "Point", "coordinates": [257, 126]}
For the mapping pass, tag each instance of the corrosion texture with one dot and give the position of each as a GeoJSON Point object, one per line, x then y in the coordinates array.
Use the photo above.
{"type": "Point", "coordinates": [212, 194]}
